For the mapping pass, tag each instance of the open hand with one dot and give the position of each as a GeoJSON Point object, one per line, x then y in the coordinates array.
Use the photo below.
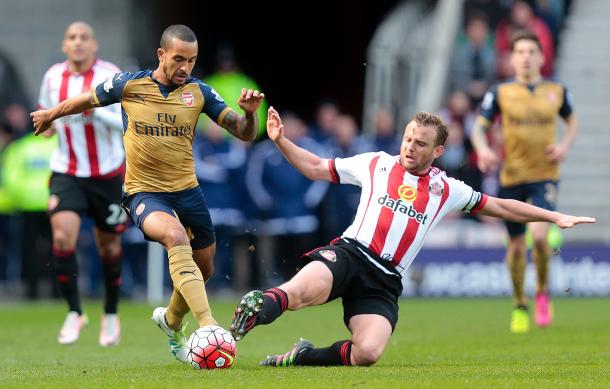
{"type": "Point", "coordinates": [275, 128]}
{"type": "Point", "coordinates": [250, 100]}
{"type": "Point", "coordinates": [569, 221]}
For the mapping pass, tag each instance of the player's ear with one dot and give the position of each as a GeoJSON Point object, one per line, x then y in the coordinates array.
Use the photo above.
{"type": "Point", "coordinates": [161, 54]}
{"type": "Point", "coordinates": [438, 151]}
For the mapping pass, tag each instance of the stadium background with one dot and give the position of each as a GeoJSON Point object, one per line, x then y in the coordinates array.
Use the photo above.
{"type": "Point", "coordinates": [362, 55]}
{"type": "Point", "coordinates": [302, 54]}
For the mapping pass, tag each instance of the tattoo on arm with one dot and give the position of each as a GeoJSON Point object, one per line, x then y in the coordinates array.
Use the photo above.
{"type": "Point", "coordinates": [232, 123]}
{"type": "Point", "coordinates": [241, 127]}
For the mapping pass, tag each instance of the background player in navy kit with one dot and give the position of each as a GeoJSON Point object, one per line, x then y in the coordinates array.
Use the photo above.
{"type": "Point", "coordinates": [528, 107]}
{"type": "Point", "coordinates": [363, 266]}
{"type": "Point", "coordinates": [160, 110]}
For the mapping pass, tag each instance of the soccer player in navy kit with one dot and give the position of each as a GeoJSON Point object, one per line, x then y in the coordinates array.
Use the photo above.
{"type": "Point", "coordinates": [160, 109]}
{"type": "Point", "coordinates": [528, 107]}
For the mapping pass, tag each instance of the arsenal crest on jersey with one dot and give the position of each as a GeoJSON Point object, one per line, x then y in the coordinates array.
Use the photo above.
{"type": "Point", "coordinates": [436, 189]}
{"type": "Point", "coordinates": [187, 98]}
{"type": "Point", "coordinates": [329, 255]}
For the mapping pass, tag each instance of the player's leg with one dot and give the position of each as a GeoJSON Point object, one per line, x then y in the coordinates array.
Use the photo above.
{"type": "Point", "coordinates": [204, 258]}
{"type": "Point", "coordinates": [155, 217]}
{"type": "Point", "coordinates": [541, 254]}
{"type": "Point", "coordinates": [177, 307]}
{"type": "Point", "coordinates": [516, 261]}
{"type": "Point", "coordinates": [194, 215]}
{"type": "Point", "coordinates": [310, 286]}
{"type": "Point", "coordinates": [543, 195]}
{"type": "Point", "coordinates": [370, 311]}
{"type": "Point", "coordinates": [65, 226]}
{"type": "Point", "coordinates": [326, 276]}
{"type": "Point", "coordinates": [186, 276]}
{"type": "Point", "coordinates": [104, 197]}
{"type": "Point", "coordinates": [370, 335]}
{"type": "Point", "coordinates": [66, 203]}
{"type": "Point", "coordinates": [109, 249]}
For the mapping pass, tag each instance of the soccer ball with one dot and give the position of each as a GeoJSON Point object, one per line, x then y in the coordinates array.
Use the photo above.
{"type": "Point", "coordinates": [211, 347]}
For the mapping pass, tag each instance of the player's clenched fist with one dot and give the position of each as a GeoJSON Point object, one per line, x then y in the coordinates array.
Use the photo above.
{"type": "Point", "coordinates": [275, 128]}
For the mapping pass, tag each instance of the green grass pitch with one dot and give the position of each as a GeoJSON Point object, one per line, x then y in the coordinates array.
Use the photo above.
{"type": "Point", "coordinates": [438, 343]}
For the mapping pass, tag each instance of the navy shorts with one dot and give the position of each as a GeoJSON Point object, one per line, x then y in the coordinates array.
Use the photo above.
{"type": "Point", "coordinates": [188, 205]}
{"type": "Point", "coordinates": [542, 194]}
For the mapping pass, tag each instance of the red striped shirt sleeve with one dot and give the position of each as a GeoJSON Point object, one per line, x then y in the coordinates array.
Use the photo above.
{"type": "Point", "coordinates": [333, 171]}
{"type": "Point", "coordinates": [479, 205]}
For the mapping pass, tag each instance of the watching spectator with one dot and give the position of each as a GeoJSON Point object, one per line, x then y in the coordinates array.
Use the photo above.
{"type": "Point", "coordinates": [522, 17]}
{"type": "Point", "coordinates": [473, 65]}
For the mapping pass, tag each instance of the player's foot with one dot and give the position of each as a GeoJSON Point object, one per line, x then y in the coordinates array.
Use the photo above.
{"type": "Point", "coordinates": [70, 330]}
{"type": "Point", "coordinates": [177, 339]}
{"type": "Point", "coordinates": [110, 331]}
{"type": "Point", "coordinates": [544, 310]}
{"type": "Point", "coordinates": [244, 318]}
{"type": "Point", "coordinates": [520, 321]}
{"type": "Point", "coordinates": [289, 358]}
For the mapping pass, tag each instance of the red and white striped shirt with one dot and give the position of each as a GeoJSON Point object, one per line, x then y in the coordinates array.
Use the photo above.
{"type": "Point", "coordinates": [398, 209]}
{"type": "Point", "coordinates": [90, 144]}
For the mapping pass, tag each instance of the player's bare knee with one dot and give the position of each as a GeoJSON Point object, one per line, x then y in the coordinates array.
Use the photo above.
{"type": "Point", "coordinates": [61, 240]}
{"type": "Point", "coordinates": [540, 243]}
{"type": "Point", "coordinates": [175, 237]}
{"type": "Point", "coordinates": [366, 353]}
{"type": "Point", "coordinates": [109, 249]}
{"type": "Point", "coordinates": [517, 248]}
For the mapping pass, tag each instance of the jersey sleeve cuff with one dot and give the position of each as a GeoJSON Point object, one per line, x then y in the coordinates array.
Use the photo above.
{"type": "Point", "coordinates": [222, 115]}
{"type": "Point", "coordinates": [480, 205]}
{"type": "Point", "coordinates": [485, 122]}
{"type": "Point", "coordinates": [334, 175]}
{"type": "Point", "coordinates": [94, 99]}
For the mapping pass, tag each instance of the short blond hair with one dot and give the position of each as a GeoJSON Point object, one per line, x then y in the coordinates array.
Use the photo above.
{"type": "Point", "coordinates": [430, 119]}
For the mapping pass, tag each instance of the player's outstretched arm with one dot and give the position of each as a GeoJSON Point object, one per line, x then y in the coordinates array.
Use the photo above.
{"type": "Point", "coordinates": [244, 127]}
{"type": "Point", "coordinates": [43, 119]}
{"type": "Point", "coordinates": [521, 212]}
{"type": "Point", "coordinates": [309, 164]}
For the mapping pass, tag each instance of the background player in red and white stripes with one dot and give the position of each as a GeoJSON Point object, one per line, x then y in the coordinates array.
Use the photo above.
{"type": "Point", "coordinates": [87, 175]}
{"type": "Point", "coordinates": [402, 198]}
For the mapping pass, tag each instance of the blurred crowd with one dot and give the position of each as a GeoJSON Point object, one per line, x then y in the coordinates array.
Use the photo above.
{"type": "Point", "coordinates": [265, 213]}
{"type": "Point", "coordinates": [481, 58]}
